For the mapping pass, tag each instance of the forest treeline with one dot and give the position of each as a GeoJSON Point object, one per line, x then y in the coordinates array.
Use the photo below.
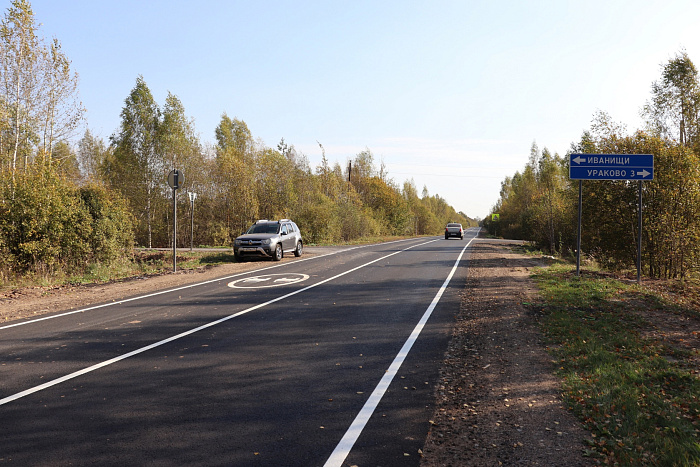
{"type": "Point", "coordinates": [66, 205]}
{"type": "Point", "coordinates": [540, 203]}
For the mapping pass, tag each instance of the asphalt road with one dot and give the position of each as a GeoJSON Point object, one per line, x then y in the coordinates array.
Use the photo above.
{"type": "Point", "coordinates": [325, 360]}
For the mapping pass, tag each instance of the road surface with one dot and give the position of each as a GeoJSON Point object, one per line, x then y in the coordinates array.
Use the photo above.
{"type": "Point", "coordinates": [325, 360]}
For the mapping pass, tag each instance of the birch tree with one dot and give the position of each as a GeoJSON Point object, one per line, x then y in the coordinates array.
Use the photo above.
{"type": "Point", "coordinates": [235, 164]}
{"type": "Point", "coordinates": [92, 154]}
{"type": "Point", "coordinates": [20, 52]}
{"type": "Point", "coordinates": [181, 150]}
{"type": "Point", "coordinates": [673, 109]}
{"type": "Point", "coordinates": [39, 103]}
{"type": "Point", "coordinates": [62, 110]}
{"type": "Point", "coordinates": [137, 166]}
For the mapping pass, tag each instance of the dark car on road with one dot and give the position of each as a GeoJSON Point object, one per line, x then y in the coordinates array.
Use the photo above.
{"type": "Point", "coordinates": [269, 239]}
{"type": "Point", "coordinates": [454, 230]}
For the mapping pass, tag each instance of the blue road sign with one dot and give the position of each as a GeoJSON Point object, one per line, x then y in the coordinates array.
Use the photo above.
{"type": "Point", "coordinates": [611, 166]}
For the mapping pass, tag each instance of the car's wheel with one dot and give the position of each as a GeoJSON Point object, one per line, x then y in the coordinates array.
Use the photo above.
{"type": "Point", "coordinates": [278, 252]}
{"type": "Point", "coordinates": [446, 237]}
{"type": "Point", "coordinates": [298, 250]}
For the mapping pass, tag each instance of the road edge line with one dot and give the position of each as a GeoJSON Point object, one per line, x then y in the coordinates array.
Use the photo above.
{"type": "Point", "coordinates": [351, 436]}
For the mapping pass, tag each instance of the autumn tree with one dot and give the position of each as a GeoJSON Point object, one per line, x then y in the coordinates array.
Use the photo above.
{"type": "Point", "coordinates": [137, 167]}
{"type": "Point", "coordinates": [539, 203]}
{"type": "Point", "coordinates": [92, 156]}
{"type": "Point", "coordinates": [331, 183]}
{"type": "Point", "coordinates": [21, 52]}
{"type": "Point", "coordinates": [535, 204]}
{"type": "Point", "coordinates": [181, 149]}
{"type": "Point", "coordinates": [48, 222]}
{"type": "Point", "coordinates": [670, 239]}
{"type": "Point", "coordinates": [274, 184]}
{"type": "Point", "coordinates": [673, 109]}
{"type": "Point", "coordinates": [551, 212]}
{"type": "Point", "coordinates": [38, 90]}
{"type": "Point", "coordinates": [62, 110]}
{"type": "Point", "coordinates": [235, 171]}
{"type": "Point", "coordinates": [66, 161]}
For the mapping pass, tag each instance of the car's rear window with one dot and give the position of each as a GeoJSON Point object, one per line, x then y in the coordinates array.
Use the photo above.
{"type": "Point", "coordinates": [263, 229]}
{"type": "Point", "coordinates": [454, 225]}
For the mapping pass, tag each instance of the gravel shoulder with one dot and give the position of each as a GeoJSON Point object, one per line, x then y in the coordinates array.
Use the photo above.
{"type": "Point", "coordinates": [497, 400]}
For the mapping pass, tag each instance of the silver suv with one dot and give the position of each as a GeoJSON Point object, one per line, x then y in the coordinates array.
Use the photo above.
{"type": "Point", "coordinates": [269, 239]}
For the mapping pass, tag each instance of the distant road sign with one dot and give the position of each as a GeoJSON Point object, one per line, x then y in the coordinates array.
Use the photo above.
{"type": "Point", "coordinates": [611, 167]}
{"type": "Point", "coordinates": [175, 179]}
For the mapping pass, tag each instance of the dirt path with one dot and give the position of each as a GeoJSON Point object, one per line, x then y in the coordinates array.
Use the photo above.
{"type": "Point", "coordinates": [498, 402]}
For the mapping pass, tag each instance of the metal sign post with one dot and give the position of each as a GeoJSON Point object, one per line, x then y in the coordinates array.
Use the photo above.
{"type": "Point", "coordinates": [192, 196]}
{"type": "Point", "coordinates": [175, 179]}
{"type": "Point", "coordinates": [578, 236]}
{"type": "Point", "coordinates": [629, 167]}
{"type": "Point", "coordinates": [639, 237]}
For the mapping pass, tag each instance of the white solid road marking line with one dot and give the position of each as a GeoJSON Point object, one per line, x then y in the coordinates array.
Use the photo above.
{"type": "Point", "coordinates": [92, 368]}
{"type": "Point", "coordinates": [343, 448]}
{"type": "Point", "coordinates": [184, 287]}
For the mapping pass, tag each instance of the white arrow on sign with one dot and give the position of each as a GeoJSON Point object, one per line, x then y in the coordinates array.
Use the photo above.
{"type": "Point", "coordinates": [644, 173]}
{"type": "Point", "coordinates": [579, 159]}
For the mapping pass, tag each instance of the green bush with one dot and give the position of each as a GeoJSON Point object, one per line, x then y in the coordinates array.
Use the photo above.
{"type": "Point", "coordinates": [42, 224]}
{"type": "Point", "coordinates": [112, 223]}
{"type": "Point", "coordinates": [318, 222]}
{"type": "Point", "coordinates": [48, 224]}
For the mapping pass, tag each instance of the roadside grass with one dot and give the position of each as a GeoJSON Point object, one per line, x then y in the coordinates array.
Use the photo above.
{"type": "Point", "coordinates": [528, 248]}
{"type": "Point", "coordinates": [637, 395]}
{"type": "Point", "coordinates": [153, 262]}
{"type": "Point", "coordinates": [143, 262]}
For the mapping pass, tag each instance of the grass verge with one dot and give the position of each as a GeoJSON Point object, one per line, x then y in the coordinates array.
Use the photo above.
{"type": "Point", "coordinates": [143, 263]}
{"type": "Point", "coordinates": [150, 262]}
{"type": "Point", "coordinates": [637, 395]}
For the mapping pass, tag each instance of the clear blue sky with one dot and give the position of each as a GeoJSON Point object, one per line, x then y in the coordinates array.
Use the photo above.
{"type": "Point", "coordinates": [449, 93]}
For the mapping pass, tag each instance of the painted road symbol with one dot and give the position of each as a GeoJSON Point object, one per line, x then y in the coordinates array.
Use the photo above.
{"type": "Point", "coordinates": [268, 280]}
